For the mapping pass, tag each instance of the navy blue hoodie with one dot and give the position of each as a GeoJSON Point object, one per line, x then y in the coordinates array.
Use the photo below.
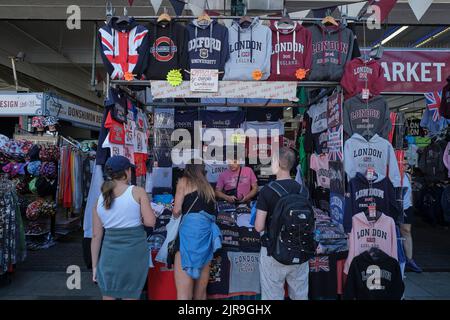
{"type": "Point", "coordinates": [207, 46]}
{"type": "Point", "coordinates": [362, 194]}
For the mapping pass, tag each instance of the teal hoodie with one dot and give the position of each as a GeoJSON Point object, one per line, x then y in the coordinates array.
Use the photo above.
{"type": "Point", "coordinates": [250, 50]}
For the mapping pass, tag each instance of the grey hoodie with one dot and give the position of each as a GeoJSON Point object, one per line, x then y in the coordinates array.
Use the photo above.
{"type": "Point", "coordinates": [250, 50]}
{"type": "Point", "coordinates": [332, 49]}
{"type": "Point", "coordinates": [367, 118]}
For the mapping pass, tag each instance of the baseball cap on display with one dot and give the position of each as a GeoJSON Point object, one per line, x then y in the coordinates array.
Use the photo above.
{"type": "Point", "coordinates": [118, 164]}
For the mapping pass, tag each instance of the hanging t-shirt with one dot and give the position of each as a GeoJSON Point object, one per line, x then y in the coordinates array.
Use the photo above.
{"type": "Point", "coordinates": [140, 142]}
{"type": "Point", "coordinates": [263, 173]}
{"type": "Point", "coordinates": [162, 157]}
{"type": "Point", "coordinates": [163, 138]}
{"type": "Point", "coordinates": [115, 149]}
{"type": "Point", "coordinates": [322, 278]}
{"type": "Point", "coordinates": [262, 136]}
{"type": "Point", "coordinates": [214, 170]}
{"type": "Point", "coordinates": [319, 163]}
{"type": "Point", "coordinates": [264, 114]}
{"type": "Point", "coordinates": [184, 119]}
{"type": "Point", "coordinates": [162, 177]}
{"type": "Point", "coordinates": [218, 119]}
{"type": "Point", "coordinates": [412, 157]}
{"type": "Point", "coordinates": [140, 160]}
{"type": "Point", "coordinates": [318, 114]}
{"type": "Point", "coordinates": [244, 272]}
{"type": "Point", "coordinates": [164, 118]}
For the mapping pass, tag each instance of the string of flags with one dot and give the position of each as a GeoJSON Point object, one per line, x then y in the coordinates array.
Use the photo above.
{"type": "Point", "coordinates": [357, 9]}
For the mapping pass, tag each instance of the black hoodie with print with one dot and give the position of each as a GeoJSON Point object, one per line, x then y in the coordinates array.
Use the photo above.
{"type": "Point", "coordinates": [167, 49]}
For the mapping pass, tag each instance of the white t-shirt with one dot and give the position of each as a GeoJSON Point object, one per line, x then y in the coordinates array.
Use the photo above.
{"type": "Point", "coordinates": [116, 149]}
{"type": "Point", "coordinates": [318, 114]}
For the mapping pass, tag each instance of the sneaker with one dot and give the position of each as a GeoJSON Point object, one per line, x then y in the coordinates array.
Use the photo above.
{"type": "Point", "coordinates": [412, 266]}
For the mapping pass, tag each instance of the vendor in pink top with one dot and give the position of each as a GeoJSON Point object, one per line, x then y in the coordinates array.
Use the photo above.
{"type": "Point", "coordinates": [237, 184]}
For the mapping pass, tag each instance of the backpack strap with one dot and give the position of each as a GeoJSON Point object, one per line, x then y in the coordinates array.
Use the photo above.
{"type": "Point", "coordinates": [278, 189]}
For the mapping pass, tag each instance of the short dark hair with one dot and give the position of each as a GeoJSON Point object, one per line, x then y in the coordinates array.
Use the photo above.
{"type": "Point", "coordinates": [286, 158]}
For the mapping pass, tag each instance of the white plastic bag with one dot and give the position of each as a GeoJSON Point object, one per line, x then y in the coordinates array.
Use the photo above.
{"type": "Point", "coordinates": [172, 232]}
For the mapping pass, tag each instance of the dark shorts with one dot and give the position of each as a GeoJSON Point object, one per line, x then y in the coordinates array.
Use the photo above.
{"type": "Point", "coordinates": [409, 216]}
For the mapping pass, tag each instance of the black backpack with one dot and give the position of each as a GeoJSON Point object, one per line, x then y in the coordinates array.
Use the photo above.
{"type": "Point", "coordinates": [290, 236]}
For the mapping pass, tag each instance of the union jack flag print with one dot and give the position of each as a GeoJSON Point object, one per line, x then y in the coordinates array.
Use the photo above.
{"type": "Point", "coordinates": [318, 264]}
{"type": "Point", "coordinates": [335, 144]}
{"type": "Point", "coordinates": [120, 50]}
{"type": "Point", "coordinates": [433, 103]}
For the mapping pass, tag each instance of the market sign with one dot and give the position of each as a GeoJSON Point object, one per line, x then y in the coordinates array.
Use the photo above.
{"type": "Point", "coordinates": [68, 111]}
{"type": "Point", "coordinates": [415, 71]}
{"type": "Point", "coordinates": [204, 80]}
{"type": "Point", "coordinates": [19, 104]}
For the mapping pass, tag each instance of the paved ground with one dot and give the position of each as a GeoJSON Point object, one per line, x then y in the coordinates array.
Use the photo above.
{"type": "Point", "coordinates": [43, 275]}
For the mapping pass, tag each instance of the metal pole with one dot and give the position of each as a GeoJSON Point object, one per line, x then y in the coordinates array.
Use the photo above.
{"type": "Point", "coordinates": [13, 63]}
{"type": "Point", "coordinates": [223, 17]}
{"type": "Point", "coordinates": [94, 56]}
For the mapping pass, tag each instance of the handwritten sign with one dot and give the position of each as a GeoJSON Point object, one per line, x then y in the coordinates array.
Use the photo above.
{"type": "Point", "coordinates": [204, 80]}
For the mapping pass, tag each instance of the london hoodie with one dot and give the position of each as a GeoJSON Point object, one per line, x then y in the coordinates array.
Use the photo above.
{"type": "Point", "coordinates": [124, 47]}
{"type": "Point", "coordinates": [377, 153]}
{"type": "Point", "coordinates": [291, 50]}
{"type": "Point", "coordinates": [367, 117]}
{"type": "Point", "coordinates": [207, 46]}
{"type": "Point", "coordinates": [365, 234]}
{"type": "Point", "coordinates": [363, 193]}
{"type": "Point", "coordinates": [167, 49]}
{"type": "Point", "coordinates": [250, 49]}
{"type": "Point", "coordinates": [360, 73]}
{"type": "Point", "coordinates": [332, 49]}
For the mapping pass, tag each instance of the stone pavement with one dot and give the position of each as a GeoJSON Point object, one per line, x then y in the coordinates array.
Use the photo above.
{"type": "Point", "coordinates": [43, 276]}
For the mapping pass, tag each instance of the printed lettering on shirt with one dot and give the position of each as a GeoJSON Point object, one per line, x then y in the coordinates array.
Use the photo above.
{"type": "Point", "coordinates": [330, 46]}
{"type": "Point", "coordinates": [246, 45]}
{"type": "Point", "coordinates": [368, 152]}
{"type": "Point", "coordinates": [205, 42]}
{"type": "Point", "coordinates": [369, 193]}
{"type": "Point", "coordinates": [364, 114]}
{"type": "Point", "coordinates": [373, 233]}
{"type": "Point", "coordinates": [288, 47]}
{"type": "Point", "coordinates": [363, 72]}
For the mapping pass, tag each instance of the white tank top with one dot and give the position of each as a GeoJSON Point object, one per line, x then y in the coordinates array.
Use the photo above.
{"type": "Point", "coordinates": [125, 212]}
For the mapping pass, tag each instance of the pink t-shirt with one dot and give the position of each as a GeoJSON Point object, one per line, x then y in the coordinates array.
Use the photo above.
{"type": "Point", "coordinates": [319, 163]}
{"type": "Point", "coordinates": [228, 181]}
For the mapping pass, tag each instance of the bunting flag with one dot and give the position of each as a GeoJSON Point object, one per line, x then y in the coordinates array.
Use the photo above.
{"type": "Point", "coordinates": [299, 14]}
{"type": "Point", "coordinates": [197, 6]}
{"type": "Point", "coordinates": [419, 7]}
{"type": "Point", "coordinates": [352, 10]}
{"type": "Point", "coordinates": [178, 6]}
{"type": "Point", "coordinates": [156, 4]}
{"type": "Point", "coordinates": [385, 6]}
{"type": "Point", "coordinates": [323, 12]}
{"type": "Point", "coordinates": [130, 2]}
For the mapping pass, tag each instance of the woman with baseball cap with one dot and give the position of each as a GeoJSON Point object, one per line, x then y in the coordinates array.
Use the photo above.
{"type": "Point", "coordinates": [121, 212]}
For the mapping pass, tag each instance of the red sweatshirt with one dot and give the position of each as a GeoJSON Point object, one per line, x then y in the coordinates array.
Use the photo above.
{"type": "Point", "coordinates": [357, 72]}
{"type": "Point", "coordinates": [291, 50]}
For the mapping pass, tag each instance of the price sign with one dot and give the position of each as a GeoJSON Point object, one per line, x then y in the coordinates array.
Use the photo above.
{"type": "Point", "coordinates": [204, 80]}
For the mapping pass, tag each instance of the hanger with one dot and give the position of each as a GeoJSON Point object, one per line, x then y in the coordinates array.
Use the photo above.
{"type": "Point", "coordinates": [125, 18]}
{"type": "Point", "coordinates": [164, 16]}
{"type": "Point", "coordinates": [204, 19]}
{"type": "Point", "coordinates": [245, 20]}
{"type": "Point", "coordinates": [285, 23]}
{"type": "Point", "coordinates": [375, 253]}
{"type": "Point", "coordinates": [329, 19]}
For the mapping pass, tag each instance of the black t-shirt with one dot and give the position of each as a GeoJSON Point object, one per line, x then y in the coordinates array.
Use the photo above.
{"type": "Point", "coordinates": [199, 205]}
{"type": "Point", "coordinates": [268, 198]}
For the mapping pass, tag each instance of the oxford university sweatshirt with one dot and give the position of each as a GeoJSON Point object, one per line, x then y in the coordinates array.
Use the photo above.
{"type": "Point", "coordinates": [332, 49]}
{"type": "Point", "coordinates": [250, 49]}
{"type": "Point", "coordinates": [377, 153]}
{"type": "Point", "coordinates": [291, 50]}
{"type": "Point", "coordinates": [367, 117]}
{"type": "Point", "coordinates": [207, 46]}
